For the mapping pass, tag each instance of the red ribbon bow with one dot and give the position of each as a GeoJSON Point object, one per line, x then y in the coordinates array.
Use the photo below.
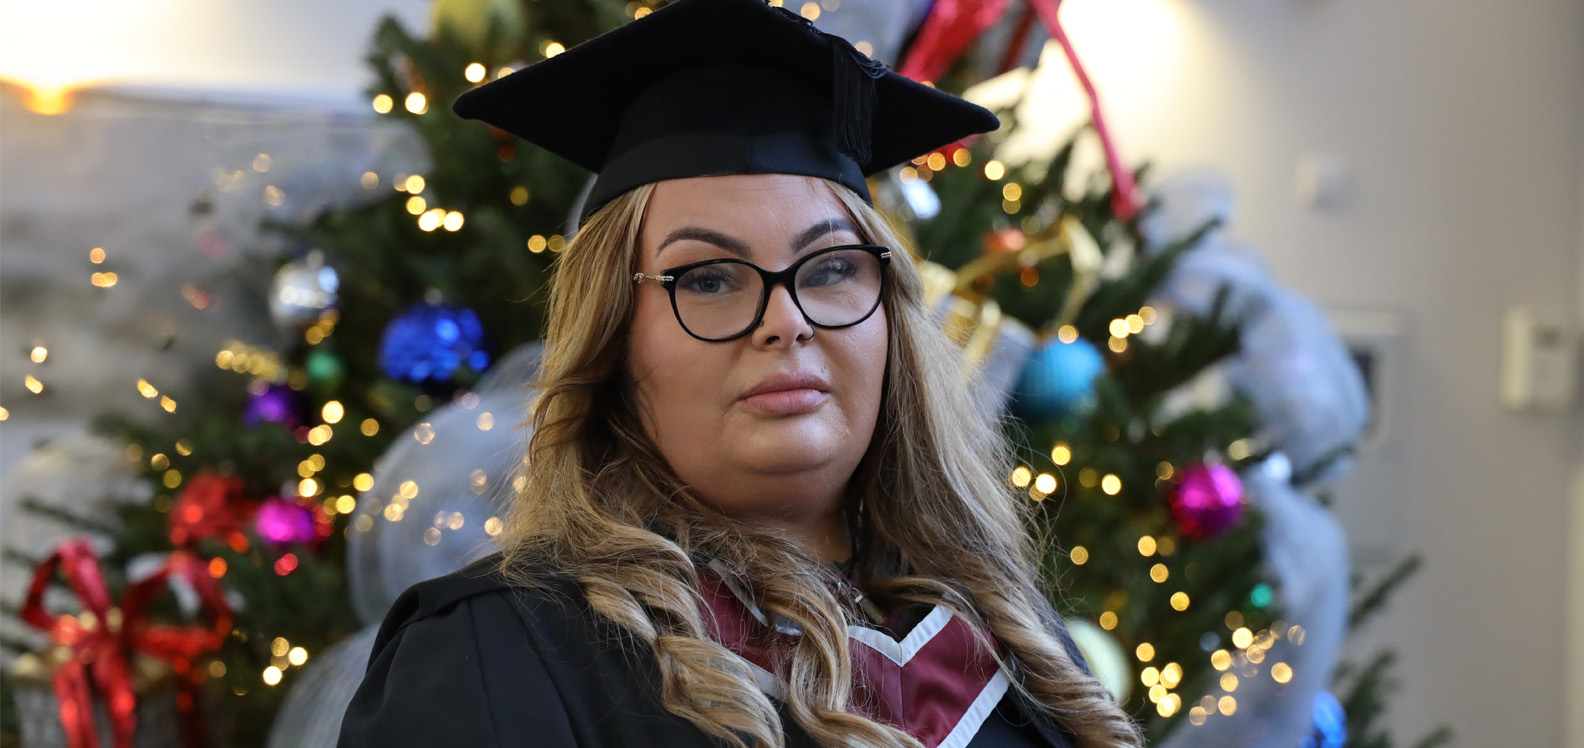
{"type": "Point", "coordinates": [102, 645]}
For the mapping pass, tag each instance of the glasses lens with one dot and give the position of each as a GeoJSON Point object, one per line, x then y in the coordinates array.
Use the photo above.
{"type": "Point", "coordinates": [839, 287]}
{"type": "Point", "coordinates": [718, 300]}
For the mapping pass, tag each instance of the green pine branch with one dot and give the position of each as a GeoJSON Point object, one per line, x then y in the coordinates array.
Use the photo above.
{"type": "Point", "coordinates": [82, 522]}
{"type": "Point", "coordinates": [1373, 599]}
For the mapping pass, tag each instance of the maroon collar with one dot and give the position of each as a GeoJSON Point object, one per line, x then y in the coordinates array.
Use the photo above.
{"type": "Point", "coordinates": [938, 684]}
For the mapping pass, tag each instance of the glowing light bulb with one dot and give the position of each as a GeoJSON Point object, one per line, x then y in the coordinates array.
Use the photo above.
{"type": "Point", "coordinates": [1045, 483]}
{"type": "Point", "coordinates": [1061, 454]}
{"type": "Point", "coordinates": [1111, 484]}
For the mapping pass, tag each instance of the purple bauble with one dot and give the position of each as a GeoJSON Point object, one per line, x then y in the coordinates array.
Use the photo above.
{"type": "Point", "coordinates": [276, 403]}
{"type": "Point", "coordinates": [284, 522]}
{"type": "Point", "coordinates": [1207, 501]}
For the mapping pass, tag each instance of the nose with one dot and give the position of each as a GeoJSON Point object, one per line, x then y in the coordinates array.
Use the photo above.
{"type": "Point", "coordinates": [783, 322]}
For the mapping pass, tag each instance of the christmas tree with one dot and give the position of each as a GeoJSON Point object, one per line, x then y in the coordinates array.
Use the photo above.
{"type": "Point", "coordinates": [1166, 491]}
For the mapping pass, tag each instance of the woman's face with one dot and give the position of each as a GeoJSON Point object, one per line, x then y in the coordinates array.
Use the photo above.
{"type": "Point", "coordinates": [771, 425]}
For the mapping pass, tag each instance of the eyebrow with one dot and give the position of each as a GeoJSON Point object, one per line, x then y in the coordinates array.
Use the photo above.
{"type": "Point", "coordinates": [740, 248]}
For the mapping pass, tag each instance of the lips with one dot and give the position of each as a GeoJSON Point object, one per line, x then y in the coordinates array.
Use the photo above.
{"type": "Point", "coordinates": [786, 394]}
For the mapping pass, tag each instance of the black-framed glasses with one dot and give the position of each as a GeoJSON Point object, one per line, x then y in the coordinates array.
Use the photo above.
{"type": "Point", "coordinates": [725, 299]}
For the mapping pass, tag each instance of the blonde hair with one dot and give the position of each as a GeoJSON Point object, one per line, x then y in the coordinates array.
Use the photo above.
{"type": "Point", "coordinates": [936, 520]}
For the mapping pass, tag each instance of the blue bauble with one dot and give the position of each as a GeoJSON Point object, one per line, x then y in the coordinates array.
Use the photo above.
{"type": "Point", "coordinates": [1058, 379]}
{"type": "Point", "coordinates": [1330, 723]}
{"type": "Point", "coordinates": [428, 342]}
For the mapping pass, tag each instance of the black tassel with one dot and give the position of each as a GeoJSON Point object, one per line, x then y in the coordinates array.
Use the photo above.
{"type": "Point", "coordinates": [853, 98]}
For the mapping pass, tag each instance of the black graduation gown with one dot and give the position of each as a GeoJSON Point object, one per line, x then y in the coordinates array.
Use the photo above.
{"type": "Point", "coordinates": [467, 660]}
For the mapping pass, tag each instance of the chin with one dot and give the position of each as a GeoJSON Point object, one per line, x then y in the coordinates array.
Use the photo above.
{"type": "Point", "coordinates": [791, 457]}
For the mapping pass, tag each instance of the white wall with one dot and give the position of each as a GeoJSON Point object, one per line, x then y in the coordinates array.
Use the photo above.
{"type": "Point", "coordinates": [1463, 126]}
{"type": "Point", "coordinates": [1575, 587]}
{"type": "Point", "coordinates": [297, 48]}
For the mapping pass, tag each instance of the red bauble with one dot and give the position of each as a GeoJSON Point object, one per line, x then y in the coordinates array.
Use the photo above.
{"type": "Point", "coordinates": [1206, 501]}
{"type": "Point", "coordinates": [212, 506]}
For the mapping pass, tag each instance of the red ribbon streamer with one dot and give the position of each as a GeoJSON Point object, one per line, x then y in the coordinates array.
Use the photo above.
{"type": "Point", "coordinates": [948, 29]}
{"type": "Point", "coordinates": [101, 652]}
{"type": "Point", "coordinates": [953, 24]}
{"type": "Point", "coordinates": [1124, 198]}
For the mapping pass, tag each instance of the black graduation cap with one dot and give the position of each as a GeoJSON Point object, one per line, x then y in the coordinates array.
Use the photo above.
{"type": "Point", "coordinates": [713, 87]}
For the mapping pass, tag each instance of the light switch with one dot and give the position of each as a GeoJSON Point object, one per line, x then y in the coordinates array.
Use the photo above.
{"type": "Point", "coordinates": [1323, 182]}
{"type": "Point", "coordinates": [1539, 361]}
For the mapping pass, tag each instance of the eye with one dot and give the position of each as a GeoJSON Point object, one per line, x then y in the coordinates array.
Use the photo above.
{"type": "Point", "coordinates": [720, 278]}
{"type": "Point", "coordinates": [828, 270]}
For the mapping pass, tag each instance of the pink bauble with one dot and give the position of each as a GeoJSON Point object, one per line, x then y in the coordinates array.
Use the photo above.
{"type": "Point", "coordinates": [1207, 501]}
{"type": "Point", "coordinates": [283, 522]}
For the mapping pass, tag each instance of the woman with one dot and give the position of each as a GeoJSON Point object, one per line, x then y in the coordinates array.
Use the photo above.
{"type": "Point", "coordinates": [760, 508]}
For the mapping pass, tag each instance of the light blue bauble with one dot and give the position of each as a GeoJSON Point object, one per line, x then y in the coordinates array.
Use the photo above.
{"type": "Point", "coordinates": [1058, 379]}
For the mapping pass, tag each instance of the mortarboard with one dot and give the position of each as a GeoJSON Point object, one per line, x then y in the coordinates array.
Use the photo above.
{"type": "Point", "coordinates": [713, 87]}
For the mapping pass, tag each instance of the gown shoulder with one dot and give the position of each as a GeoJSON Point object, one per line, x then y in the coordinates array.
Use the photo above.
{"type": "Point", "coordinates": [446, 653]}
